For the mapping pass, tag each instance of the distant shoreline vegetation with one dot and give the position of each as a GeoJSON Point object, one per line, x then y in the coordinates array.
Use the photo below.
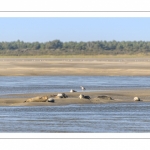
{"type": "Point", "coordinates": [56, 47]}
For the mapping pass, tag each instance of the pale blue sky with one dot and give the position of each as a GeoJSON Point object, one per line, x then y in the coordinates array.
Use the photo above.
{"type": "Point", "coordinates": [74, 29]}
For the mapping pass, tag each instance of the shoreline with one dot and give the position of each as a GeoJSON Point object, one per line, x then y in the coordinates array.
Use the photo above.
{"type": "Point", "coordinates": [75, 67]}
{"type": "Point", "coordinates": [118, 96]}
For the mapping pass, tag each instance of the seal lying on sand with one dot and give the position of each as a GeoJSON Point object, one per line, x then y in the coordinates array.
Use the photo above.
{"type": "Point", "coordinates": [51, 100]}
{"type": "Point", "coordinates": [37, 99]}
{"type": "Point", "coordinates": [84, 97]}
{"type": "Point", "coordinates": [101, 98]}
{"type": "Point", "coordinates": [61, 95]}
{"type": "Point", "coordinates": [71, 91]}
{"type": "Point", "coordinates": [105, 97]}
{"type": "Point", "coordinates": [137, 99]}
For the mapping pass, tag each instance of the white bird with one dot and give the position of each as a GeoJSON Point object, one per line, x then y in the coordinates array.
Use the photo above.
{"type": "Point", "coordinates": [83, 88]}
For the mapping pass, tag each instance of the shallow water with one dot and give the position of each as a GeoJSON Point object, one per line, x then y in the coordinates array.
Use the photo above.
{"type": "Point", "coordinates": [95, 118]}
{"type": "Point", "coordinates": [106, 118]}
{"type": "Point", "coordinates": [40, 84]}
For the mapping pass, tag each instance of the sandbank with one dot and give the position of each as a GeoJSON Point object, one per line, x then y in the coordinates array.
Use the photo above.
{"type": "Point", "coordinates": [75, 67]}
{"type": "Point", "coordinates": [119, 96]}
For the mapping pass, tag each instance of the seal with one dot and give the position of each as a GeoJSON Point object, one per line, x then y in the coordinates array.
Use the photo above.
{"type": "Point", "coordinates": [61, 95]}
{"type": "Point", "coordinates": [37, 99]}
{"type": "Point", "coordinates": [71, 91]}
{"type": "Point", "coordinates": [84, 97]}
{"type": "Point", "coordinates": [51, 100]}
{"type": "Point", "coordinates": [81, 96]}
{"type": "Point", "coordinates": [136, 99]}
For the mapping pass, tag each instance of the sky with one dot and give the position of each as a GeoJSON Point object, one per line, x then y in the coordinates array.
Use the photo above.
{"type": "Point", "coordinates": [75, 29]}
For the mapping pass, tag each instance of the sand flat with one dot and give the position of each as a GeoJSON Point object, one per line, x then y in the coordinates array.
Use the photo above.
{"type": "Point", "coordinates": [118, 96]}
{"type": "Point", "coordinates": [68, 66]}
{"type": "Point", "coordinates": [97, 67]}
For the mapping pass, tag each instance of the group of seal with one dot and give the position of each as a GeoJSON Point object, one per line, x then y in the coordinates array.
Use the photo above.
{"type": "Point", "coordinates": [51, 98]}
{"type": "Point", "coordinates": [63, 95]}
{"type": "Point", "coordinates": [81, 96]}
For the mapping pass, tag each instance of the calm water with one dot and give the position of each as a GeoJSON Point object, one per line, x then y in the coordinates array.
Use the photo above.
{"type": "Point", "coordinates": [39, 84]}
{"type": "Point", "coordinates": [119, 117]}
{"type": "Point", "coordinates": [107, 118]}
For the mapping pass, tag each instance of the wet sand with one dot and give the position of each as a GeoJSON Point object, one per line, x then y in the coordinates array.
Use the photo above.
{"type": "Point", "coordinates": [118, 96]}
{"type": "Point", "coordinates": [86, 66]}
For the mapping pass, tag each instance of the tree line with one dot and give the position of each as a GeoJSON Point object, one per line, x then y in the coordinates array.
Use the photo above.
{"type": "Point", "coordinates": [56, 47]}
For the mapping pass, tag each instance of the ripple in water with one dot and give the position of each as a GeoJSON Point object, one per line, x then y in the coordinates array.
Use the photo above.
{"type": "Point", "coordinates": [39, 84]}
{"type": "Point", "coordinates": [106, 118]}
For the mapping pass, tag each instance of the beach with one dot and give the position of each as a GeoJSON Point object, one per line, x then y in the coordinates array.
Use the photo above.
{"type": "Point", "coordinates": [78, 67]}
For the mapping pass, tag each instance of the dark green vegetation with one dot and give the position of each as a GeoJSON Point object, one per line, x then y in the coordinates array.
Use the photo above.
{"type": "Point", "coordinates": [56, 47]}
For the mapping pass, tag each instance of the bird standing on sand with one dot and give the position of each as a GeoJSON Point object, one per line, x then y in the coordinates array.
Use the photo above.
{"type": "Point", "coordinates": [83, 88]}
